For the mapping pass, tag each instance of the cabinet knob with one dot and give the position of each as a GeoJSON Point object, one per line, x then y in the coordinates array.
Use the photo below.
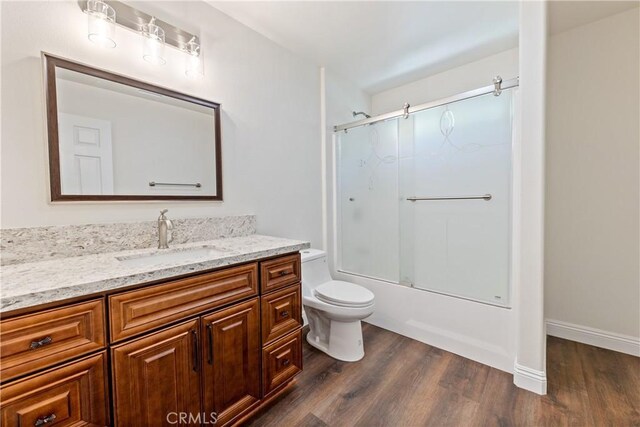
{"type": "Point", "coordinates": [283, 273]}
{"type": "Point", "coordinates": [284, 313]}
{"type": "Point", "coordinates": [45, 420]}
{"type": "Point", "coordinates": [40, 343]}
{"type": "Point", "coordinates": [285, 362]}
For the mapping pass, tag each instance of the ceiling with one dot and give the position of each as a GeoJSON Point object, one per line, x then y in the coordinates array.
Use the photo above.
{"type": "Point", "coordinates": [379, 45]}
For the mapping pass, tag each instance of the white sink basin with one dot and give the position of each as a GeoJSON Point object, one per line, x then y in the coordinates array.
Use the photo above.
{"type": "Point", "coordinates": [175, 256]}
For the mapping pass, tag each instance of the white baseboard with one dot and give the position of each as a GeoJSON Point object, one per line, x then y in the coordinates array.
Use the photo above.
{"type": "Point", "coordinates": [596, 337]}
{"type": "Point", "coordinates": [530, 379]}
{"type": "Point", "coordinates": [447, 340]}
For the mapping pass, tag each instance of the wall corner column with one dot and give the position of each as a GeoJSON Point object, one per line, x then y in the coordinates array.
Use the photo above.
{"type": "Point", "coordinates": [530, 363]}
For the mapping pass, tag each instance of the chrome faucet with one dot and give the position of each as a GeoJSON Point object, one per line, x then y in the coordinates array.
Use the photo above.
{"type": "Point", "coordinates": [164, 227]}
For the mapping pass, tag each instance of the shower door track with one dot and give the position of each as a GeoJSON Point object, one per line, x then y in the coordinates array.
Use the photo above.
{"type": "Point", "coordinates": [433, 291]}
{"type": "Point", "coordinates": [495, 88]}
{"type": "Point", "coordinates": [393, 282]}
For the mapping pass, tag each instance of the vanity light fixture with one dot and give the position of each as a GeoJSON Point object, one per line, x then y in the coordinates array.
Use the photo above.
{"type": "Point", "coordinates": [104, 15]}
{"type": "Point", "coordinates": [194, 65]}
{"type": "Point", "coordinates": [153, 43]}
{"type": "Point", "coordinates": [101, 23]}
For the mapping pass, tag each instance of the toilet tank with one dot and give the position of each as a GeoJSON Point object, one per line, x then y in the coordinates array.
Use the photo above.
{"type": "Point", "coordinates": [315, 270]}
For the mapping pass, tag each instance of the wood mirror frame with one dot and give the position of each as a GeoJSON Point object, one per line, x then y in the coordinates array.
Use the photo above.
{"type": "Point", "coordinates": [50, 64]}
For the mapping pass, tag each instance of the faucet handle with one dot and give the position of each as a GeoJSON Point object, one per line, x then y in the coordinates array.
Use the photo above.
{"type": "Point", "coordinates": [164, 211]}
{"type": "Point", "coordinates": [169, 231]}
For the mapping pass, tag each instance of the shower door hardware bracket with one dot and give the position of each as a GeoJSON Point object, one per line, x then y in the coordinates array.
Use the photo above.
{"type": "Point", "coordinates": [134, 19]}
{"type": "Point", "coordinates": [497, 85]}
{"type": "Point", "coordinates": [405, 109]}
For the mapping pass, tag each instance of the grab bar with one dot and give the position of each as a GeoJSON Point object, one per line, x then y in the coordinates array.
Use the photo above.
{"type": "Point", "coordinates": [486, 197]}
{"type": "Point", "coordinates": [153, 184]}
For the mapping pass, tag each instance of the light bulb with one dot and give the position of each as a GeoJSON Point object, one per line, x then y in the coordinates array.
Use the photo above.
{"type": "Point", "coordinates": [101, 23]}
{"type": "Point", "coordinates": [194, 66]}
{"type": "Point", "coordinates": [153, 48]}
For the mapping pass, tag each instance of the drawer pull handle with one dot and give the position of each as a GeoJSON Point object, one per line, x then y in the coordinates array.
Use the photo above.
{"type": "Point", "coordinates": [285, 362]}
{"type": "Point", "coordinates": [40, 343]}
{"type": "Point", "coordinates": [45, 420]}
{"type": "Point", "coordinates": [284, 273]}
{"type": "Point", "coordinates": [210, 333]}
{"type": "Point", "coordinates": [194, 341]}
{"type": "Point", "coordinates": [284, 313]}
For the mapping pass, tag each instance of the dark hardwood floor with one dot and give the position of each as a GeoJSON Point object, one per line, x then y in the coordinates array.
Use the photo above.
{"type": "Point", "coordinates": [402, 382]}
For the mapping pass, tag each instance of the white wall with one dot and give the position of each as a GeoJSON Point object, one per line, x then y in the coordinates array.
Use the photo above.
{"type": "Point", "coordinates": [457, 80]}
{"type": "Point", "coordinates": [592, 208]}
{"type": "Point", "coordinates": [270, 117]}
{"type": "Point", "coordinates": [342, 98]}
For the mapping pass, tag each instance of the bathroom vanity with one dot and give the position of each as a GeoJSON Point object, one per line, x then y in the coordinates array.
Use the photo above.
{"type": "Point", "coordinates": [214, 344]}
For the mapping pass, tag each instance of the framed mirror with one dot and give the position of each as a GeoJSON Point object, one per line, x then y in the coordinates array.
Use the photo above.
{"type": "Point", "coordinates": [115, 138]}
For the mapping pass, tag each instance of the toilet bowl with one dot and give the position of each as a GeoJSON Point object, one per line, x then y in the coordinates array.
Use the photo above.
{"type": "Point", "coordinates": [333, 309]}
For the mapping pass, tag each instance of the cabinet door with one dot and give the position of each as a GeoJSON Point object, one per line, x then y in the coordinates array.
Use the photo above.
{"type": "Point", "coordinates": [156, 378]}
{"type": "Point", "coordinates": [231, 355]}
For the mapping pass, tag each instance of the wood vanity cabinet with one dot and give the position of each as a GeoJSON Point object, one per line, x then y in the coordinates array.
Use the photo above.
{"type": "Point", "coordinates": [214, 346]}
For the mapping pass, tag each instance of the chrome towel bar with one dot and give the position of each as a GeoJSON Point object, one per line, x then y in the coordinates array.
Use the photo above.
{"type": "Point", "coordinates": [153, 184]}
{"type": "Point", "coordinates": [486, 197]}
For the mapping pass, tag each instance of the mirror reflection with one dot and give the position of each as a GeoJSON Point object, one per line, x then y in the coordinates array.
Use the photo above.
{"type": "Point", "coordinates": [120, 140]}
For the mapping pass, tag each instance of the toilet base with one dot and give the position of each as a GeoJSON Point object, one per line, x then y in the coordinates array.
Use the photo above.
{"type": "Point", "coordinates": [345, 341]}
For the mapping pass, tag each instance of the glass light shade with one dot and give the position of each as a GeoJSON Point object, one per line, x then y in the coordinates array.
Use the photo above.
{"type": "Point", "coordinates": [153, 49]}
{"type": "Point", "coordinates": [194, 64]}
{"type": "Point", "coordinates": [102, 23]}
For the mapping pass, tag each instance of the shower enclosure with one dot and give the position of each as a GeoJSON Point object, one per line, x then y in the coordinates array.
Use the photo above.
{"type": "Point", "coordinates": [424, 199]}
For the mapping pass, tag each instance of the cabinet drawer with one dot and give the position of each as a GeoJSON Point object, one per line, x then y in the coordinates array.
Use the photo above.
{"type": "Point", "coordinates": [37, 341]}
{"type": "Point", "coordinates": [281, 361]}
{"type": "Point", "coordinates": [280, 272]}
{"type": "Point", "coordinates": [70, 395]}
{"type": "Point", "coordinates": [139, 311]}
{"type": "Point", "coordinates": [281, 313]}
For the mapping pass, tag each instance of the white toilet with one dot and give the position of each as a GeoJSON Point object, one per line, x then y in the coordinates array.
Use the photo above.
{"type": "Point", "coordinates": [333, 308]}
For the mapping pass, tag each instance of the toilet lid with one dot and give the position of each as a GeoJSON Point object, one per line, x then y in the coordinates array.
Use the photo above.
{"type": "Point", "coordinates": [344, 294]}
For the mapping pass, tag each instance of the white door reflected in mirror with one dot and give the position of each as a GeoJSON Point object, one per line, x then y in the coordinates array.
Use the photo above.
{"type": "Point", "coordinates": [86, 158]}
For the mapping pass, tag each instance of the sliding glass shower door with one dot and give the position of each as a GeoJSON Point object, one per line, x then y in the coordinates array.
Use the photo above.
{"type": "Point", "coordinates": [455, 198]}
{"type": "Point", "coordinates": [367, 177]}
{"type": "Point", "coordinates": [425, 201]}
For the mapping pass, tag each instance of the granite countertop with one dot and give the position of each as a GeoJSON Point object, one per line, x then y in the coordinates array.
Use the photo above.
{"type": "Point", "coordinates": [34, 283]}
